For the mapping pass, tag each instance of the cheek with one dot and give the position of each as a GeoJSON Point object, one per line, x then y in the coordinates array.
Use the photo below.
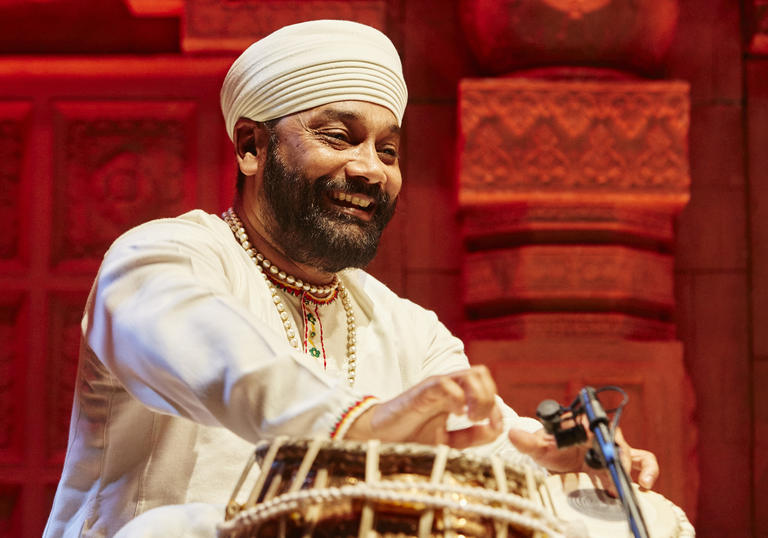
{"type": "Point", "coordinates": [313, 160]}
{"type": "Point", "coordinates": [394, 184]}
{"type": "Point", "coordinates": [322, 164]}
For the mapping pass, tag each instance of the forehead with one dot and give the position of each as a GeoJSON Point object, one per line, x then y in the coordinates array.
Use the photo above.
{"type": "Point", "coordinates": [359, 114]}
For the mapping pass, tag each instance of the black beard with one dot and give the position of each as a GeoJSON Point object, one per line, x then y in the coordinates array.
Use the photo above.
{"type": "Point", "coordinates": [311, 233]}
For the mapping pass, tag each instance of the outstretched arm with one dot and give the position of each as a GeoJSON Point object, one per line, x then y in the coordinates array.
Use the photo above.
{"type": "Point", "coordinates": [420, 413]}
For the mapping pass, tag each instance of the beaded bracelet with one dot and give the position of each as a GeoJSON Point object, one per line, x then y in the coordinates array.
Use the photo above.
{"type": "Point", "coordinates": [350, 414]}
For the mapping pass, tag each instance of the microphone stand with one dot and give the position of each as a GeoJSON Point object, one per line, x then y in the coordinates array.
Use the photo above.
{"type": "Point", "coordinates": [598, 423]}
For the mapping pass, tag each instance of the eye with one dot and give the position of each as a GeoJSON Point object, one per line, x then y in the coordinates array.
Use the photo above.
{"type": "Point", "coordinates": [389, 151]}
{"type": "Point", "coordinates": [336, 135]}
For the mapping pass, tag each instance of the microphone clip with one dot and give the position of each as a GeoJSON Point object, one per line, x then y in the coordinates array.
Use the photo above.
{"type": "Point", "coordinates": [559, 422]}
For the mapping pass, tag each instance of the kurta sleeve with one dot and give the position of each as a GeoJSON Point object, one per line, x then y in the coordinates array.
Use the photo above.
{"type": "Point", "coordinates": [169, 319]}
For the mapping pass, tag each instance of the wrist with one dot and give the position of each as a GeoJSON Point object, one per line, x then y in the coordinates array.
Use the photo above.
{"type": "Point", "coordinates": [355, 420]}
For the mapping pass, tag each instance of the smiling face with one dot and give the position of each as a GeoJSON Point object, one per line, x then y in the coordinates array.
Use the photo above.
{"type": "Point", "coordinates": [331, 178]}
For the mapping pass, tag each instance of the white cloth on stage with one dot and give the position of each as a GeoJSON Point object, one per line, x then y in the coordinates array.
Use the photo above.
{"type": "Point", "coordinates": [185, 364]}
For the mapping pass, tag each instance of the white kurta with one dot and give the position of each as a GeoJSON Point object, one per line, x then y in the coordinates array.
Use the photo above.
{"type": "Point", "coordinates": [185, 364]}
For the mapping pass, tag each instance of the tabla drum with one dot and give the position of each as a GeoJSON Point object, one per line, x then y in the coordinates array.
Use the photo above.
{"type": "Point", "coordinates": [576, 499]}
{"type": "Point", "coordinates": [325, 488]}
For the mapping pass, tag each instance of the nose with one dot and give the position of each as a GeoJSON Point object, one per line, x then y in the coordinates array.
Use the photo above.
{"type": "Point", "coordinates": [367, 165]}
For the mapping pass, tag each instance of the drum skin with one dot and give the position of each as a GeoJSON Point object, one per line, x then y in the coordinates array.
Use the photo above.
{"type": "Point", "coordinates": [576, 497]}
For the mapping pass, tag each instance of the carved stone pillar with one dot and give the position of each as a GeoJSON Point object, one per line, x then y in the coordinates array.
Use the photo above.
{"type": "Point", "coordinates": [570, 179]}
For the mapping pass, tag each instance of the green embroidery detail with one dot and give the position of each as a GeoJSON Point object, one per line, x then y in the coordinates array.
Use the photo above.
{"type": "Point", "coordinates": [312, 334]}
{"type": "Point", "coordinates": [314, 352]}
{"type": "Point", "coordinates": [311, 318]}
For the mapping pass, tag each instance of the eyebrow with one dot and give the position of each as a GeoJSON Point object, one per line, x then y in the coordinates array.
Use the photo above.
{"type": "Point", "coordinates": [348, 116]}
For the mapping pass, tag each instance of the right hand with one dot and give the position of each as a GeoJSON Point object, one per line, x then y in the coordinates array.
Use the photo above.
{"type": "Point", "coordinates": [420, 413]}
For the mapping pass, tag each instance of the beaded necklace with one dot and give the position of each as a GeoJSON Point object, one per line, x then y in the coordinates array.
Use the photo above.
{"type": "Point", "coordinates": [308, 294]}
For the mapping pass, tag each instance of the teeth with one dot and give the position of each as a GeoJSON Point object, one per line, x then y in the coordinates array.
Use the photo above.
{"type": "Point", "coordinates": [360, 202]}
{"type": "Point", "coordinates": [344, 197]}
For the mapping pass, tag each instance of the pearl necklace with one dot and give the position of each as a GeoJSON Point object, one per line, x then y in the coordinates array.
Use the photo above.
{"type": "Point", "coordinates": [263, 265]}
{"type": "Point", "coordinates": [318, 293]}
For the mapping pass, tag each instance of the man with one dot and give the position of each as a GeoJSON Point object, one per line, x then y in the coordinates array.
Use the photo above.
{"type": "Point", "coordinates": [203, 335]}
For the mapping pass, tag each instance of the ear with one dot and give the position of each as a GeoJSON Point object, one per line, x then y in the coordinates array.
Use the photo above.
{"type": "Point", "coordinates": [251, 138]}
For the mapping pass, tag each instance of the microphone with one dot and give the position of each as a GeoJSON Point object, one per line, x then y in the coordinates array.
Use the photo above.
{"type": "Point", "coordinates": [551, 414]}
{"type": "Point", "coordinates": [604, 453]}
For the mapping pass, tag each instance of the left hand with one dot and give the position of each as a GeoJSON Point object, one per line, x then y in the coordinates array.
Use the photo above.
{"type": "Point", "coordinates": [542, 448]}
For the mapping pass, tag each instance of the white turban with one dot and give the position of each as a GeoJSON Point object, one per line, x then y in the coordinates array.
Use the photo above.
{"type": "Point", "coordinates": [312, 64]}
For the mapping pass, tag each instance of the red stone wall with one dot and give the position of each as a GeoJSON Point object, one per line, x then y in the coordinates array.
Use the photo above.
{"type": "Point", "coordinates": [716, 278]}
{"type": "Point", "coordinates": [78, 164]}
{"type": "Point", "coordinates": [90, 147]}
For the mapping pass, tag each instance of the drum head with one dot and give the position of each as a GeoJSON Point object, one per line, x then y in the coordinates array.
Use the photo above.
{"type": "Point", "coordinates": [575, 498]}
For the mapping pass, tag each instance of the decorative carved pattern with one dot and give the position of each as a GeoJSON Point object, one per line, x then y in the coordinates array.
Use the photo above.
{"type": "Point", "coordinates": [12, 135]}
{"type": "Point", "coordinates": [65, 312]}
{"type": "Point", "coordinates": [117, 165]}
{"type": "Point", "coordinates": [555, 325]}
{"type": "Point", "coordinates": [586, 277]}
{"type": "Point", "coordinates": [620, 141]}
{"type": "Point", "coordinates": [12, 375]}
{"type": "Point", "coordinates": [213, 25]}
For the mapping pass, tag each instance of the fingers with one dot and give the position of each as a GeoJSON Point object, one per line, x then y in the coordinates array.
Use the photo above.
{"type": "Point", "coordinates": [536, 445]}
{"type": "Point", "coordinates": [420, 413]}
{"type": "Point", "coordinates": [478, 434]}
{"type": "Point", "coordinates": [601, 480]}
{"type": "Point", "coordinates": [479, 391]}
{"type": "Point", "coordinates": [641, 461]}
{"type": "Point", "coordinates": [434, 432]}
{"type": "Point", "coordinates": [471, 391]}
{"type": "Point", "coordinates": [543, 449]}
{"type": "Point", "coordinates": [646, 464]}
{"type": "Point", "coordinates": [464, 387]}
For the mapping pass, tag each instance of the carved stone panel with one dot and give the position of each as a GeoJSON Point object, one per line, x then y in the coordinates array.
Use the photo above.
{"type": "Point", "coordinates": [524, 140]}
{"type": "Point", "coordinates": [213, 25]}
{"type": "Point", "coordinates": [13, 375]}
{"type": "Point", "coordinates": [117, 164]}
{"type": "Point", "coordinates": [65, 310]}
{"type": "Point", "coordinates": [13, 134]}
{"type": "Point", "coordinates": [570, 277]}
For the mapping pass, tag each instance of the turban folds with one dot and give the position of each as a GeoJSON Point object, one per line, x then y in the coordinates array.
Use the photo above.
{"type": "Point", "coordinates": [310, 64]}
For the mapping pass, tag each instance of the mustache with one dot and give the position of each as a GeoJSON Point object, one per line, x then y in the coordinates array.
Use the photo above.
{"type": "Point", "coordinates": [355, 185]}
